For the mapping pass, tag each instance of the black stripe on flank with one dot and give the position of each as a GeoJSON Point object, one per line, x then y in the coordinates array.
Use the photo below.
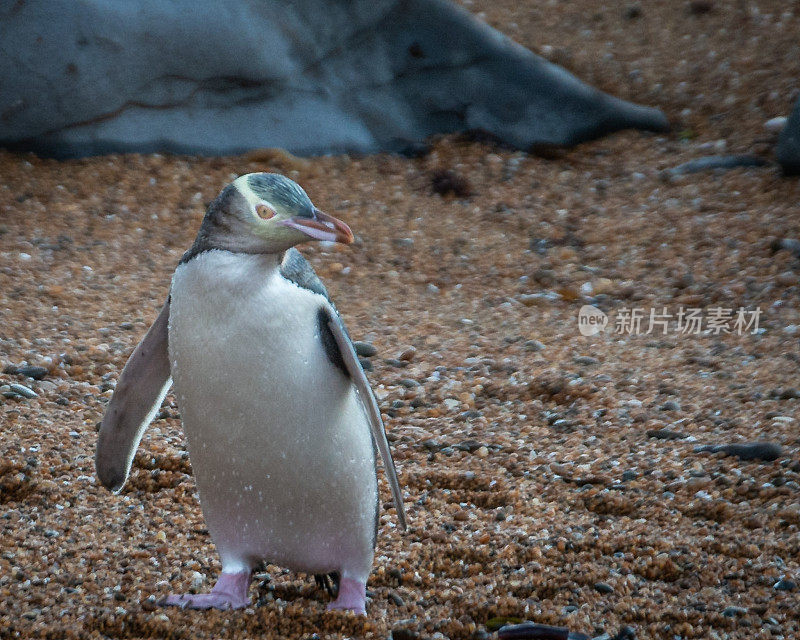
{"type": "Point", "coordinates": [329, 342]}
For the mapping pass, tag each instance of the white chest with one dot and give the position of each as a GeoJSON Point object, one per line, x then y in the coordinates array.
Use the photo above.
{"type": "Point", "coordinates": [278, 439]}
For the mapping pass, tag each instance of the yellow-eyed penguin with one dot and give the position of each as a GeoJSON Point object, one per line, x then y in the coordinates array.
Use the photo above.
{"type": "Point", "coordinates": [281, 422]}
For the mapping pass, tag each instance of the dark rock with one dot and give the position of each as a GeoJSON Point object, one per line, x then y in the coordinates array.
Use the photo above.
{"type": "Point", "coordinates": [632, 11]}
{"type": "Point", "coordinates": [786, 244]}
{"type": "Point", "coordinates": [586, 360]}
{"type": "Point", "coordinates": [788, 150]}
{"type": "Point", "coordinates": [670, 405]}
{"type": "Point", "coordinates": [395, 599]}
{"type": "Point", "coordinates": [432, 445]}
{"type": "Point", "coordinates": [625, 633]}
{"type": "Point", "coordinates": [446, 182]}
{"type": "Point", "coordinates": [699, 7]}
{"type": "Point", "coordinates": [214, 78]}
{"type": "Point", "coordinates": [469, 445]}
{"type": "Point", "coordinates": [629, 475]}
{"type": "Point", "coordinates": [790, 393]}
{"type": "Point", "coordinates": [364, 349]}
{"type": "Point", "coordinates": [403, 633]}
{"type": "Point", "coordinates": [785, 585]}
{"type": "Point", "coordinates": [366, 365]}
{"type": "Point", "coordinates": [37, 373]}
{"type": "Point", "coordinates": [602, 587]}
{"type": "Point", "coordinates": [409, 383]}
{"type": "Point", "coordinates": [767, 451]}
{"type": "Point", "coordinates": [666, 434]}
{"type": "Point", "coordinates": [734, 612]}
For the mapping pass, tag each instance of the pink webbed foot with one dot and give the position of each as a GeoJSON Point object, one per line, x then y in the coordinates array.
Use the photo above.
{"type": "Point", "coordinates": [230, 592]}
{"type": "Point", "coordinates": [352, 596]}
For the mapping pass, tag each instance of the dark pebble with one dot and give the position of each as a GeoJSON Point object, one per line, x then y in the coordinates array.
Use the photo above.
{"type": "Point", "coordinates": [785, 585]}
{"type": "Point", "coordinates": [366, 365]}
{"type": "Point", "coordinates": [394, 362]}
{"type": "Point", "coordinates": [767, 451]}
{"type": "Point", "coordinates": [398, 404]}
{"type": "Point", "coordinates": [670, 405]}
{"type": "Point", "coordinates": [404, 634]}
{"type": "Point", "coordinates": [625, 633]}
{"type": "Point", "coordinates": [126, 325]}
{"type": "Point", "coordinates": [787, 244]}
{"type": "Point", "coordinates": [733, 612]}
{"type": "Point", "coordinates": [418, 402]}
{"type": "Point", "coordinates": [698, 7]}
{"type": "Point", "coordinates": [629, 475]}
{"type": "Point", "coordinates": [469, 445]}
{"type": "Point", "coordinates": [395, 599]}
{"type": "Point", "coordinates": [445, 182]}
{"type": "Point", "coordinates": [602, 587]}
{"type": "Point", "coordinates": [364, 349]}
{"type": "Point", "coordinates": [666, 434]}
{"type": "Point", "coordinates": [448, 451]}
{"type": "Point", "coordinates": [408, 383]}
{"type": "Point", "coordinates": [37, 373]}
{"type": "Point", "coordinates": [432, 445]}
{"type": "Point", "coordinates": [632, 11]}
{"type": "Point", "coordinates": [587, 360]}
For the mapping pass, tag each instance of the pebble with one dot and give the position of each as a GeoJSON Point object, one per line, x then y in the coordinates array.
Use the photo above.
{"type": "Point", "coordinates": [775, 125]}
{"type": "Point", "coordinates": [404, 634]}
{"type": "Point", "coordinates": [586, 360]}
{"type": "Point", "coordinates": [629, 475]}
{"type": "Point", "coordinates": [469, 445]}
{"type": "Point", "coordinates": [482, 452]}
{"type": "Point", "coordinates": [602, 587]}
{"type": "Point", "coordinates": [732, 612]}
{"type": "Point", "coordinates": [767, 451]}
{"type": "Point", "coordinates": [671, 405]}
{"type": "Point", "coordinates": [395, 599]}
{"type": "Point", "coordinates": [364, 349]}
{"type": "Point", "coordinates": [197, 580]}
{"type": "Point", "coordinates": [366, 365]}
{"type": "Point", "coordinates": [666, 434]}
{"type": "Point", "coordinates": [32, 614]}
{"type": "Point", "coordinates": [22, 390]}
{"type": "Point", "coordinates": [407, 355]}
{"type": "Point", "coordinates": [37, 373]}
{"type": "Point", "coordinates": [785, 585]}
{"type": "Point", "coordinates": [409, 383]}
{"type": "Point", "coordinates": [533, 345]}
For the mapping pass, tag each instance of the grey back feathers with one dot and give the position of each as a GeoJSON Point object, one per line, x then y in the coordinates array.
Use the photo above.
{"type": "Point", "coordinates": [281, 192]}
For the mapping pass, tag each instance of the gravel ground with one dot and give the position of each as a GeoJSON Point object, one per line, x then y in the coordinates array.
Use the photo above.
{"type": "Point", "coordinates": [549, 476]}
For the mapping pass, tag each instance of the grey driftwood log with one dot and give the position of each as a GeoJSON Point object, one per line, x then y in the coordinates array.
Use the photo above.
{"type": "Point", "coordinates": [314, 77]}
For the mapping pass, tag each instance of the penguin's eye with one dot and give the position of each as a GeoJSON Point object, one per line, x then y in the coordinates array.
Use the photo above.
{"type": "Point", "coordinates": [265, 212]}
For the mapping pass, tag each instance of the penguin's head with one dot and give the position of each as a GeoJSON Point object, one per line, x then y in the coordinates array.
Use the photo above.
{"type": "Point", "coordinates": [267, 213]}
